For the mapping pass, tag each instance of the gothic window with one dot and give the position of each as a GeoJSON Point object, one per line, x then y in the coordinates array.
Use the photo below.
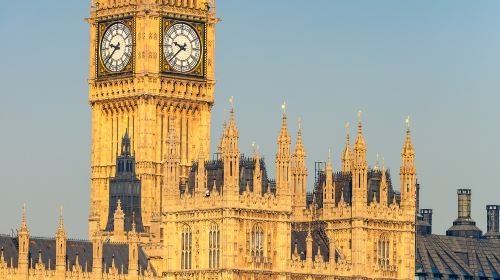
{"type": "Point", "coordinates": [214, 246]}
{"type": "Point", "coordinates": [186, 247]}
{"type": "Point", "coordinates": [257, 242]}
{"type": "Point", "coordinates": [383, 251]}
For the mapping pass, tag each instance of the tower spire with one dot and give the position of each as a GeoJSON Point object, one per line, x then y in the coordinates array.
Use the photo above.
{"type": "Point", "coordinates": [329, 189]}
{"type": "Point", "coordinates": [23, 218]}
{"type": "Point", "coordinates": [384, 196]}
{"type": "Point", "coordinates": [61, 221]}
{"type": "Point", "coordinates": [299, 173]}
{"type": "Point", "coordinates": [283, 158]}
{"type": "Point", "coordinates": [347, 154]}
{"type": "Point", "coordinates": [231, 157]}
{"type": "Point", "coordinates": [408, 172]}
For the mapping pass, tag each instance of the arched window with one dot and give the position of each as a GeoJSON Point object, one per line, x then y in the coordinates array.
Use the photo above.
{"type": "Point", "coordinates": [214, 246]}
{"type": "Point", "coordinates": [257, 242]}
{"type": "Point", "coordinates": [383, 251]}
{"type": "Point", "coordinates": [186, 247]}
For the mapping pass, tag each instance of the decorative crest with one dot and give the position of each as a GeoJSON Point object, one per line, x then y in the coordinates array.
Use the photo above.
{"type": "Point", "coordinates": [283, 107]}
{"type": "Point", "coordinates": [407, 122]}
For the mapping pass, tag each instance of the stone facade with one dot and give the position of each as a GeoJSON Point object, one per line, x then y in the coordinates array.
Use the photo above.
{"type": "Point", "coordinates": [221, 218]}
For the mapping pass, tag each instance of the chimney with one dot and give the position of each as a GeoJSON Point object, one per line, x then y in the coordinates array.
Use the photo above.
{"type": "Point", "coordinates": [464, 225]}
{"type": "Point", "coordinates": [425, 226]}
{"type": "Point", "coordinates": [492, 216]}
{"type": "Point", "coordinates": [427, 215]}
{"type": "Point", "coordinates": [464, 203]}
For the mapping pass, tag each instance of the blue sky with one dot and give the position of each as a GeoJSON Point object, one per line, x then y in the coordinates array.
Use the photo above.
{"type": "Point", "coordinates": [437, 61]}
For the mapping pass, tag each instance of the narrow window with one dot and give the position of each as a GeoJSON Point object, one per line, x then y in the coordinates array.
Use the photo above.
{"type": "Point", "coordinates": [214, 246]}
{"type": "Point", "coordinates": [186, 246]}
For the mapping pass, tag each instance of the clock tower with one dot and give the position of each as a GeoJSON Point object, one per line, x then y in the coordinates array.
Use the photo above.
{"type": "Point", "coordinates": [151, 69]}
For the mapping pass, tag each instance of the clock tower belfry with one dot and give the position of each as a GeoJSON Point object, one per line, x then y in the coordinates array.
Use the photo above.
{"type": "Point", "coordinates": [151, 68]}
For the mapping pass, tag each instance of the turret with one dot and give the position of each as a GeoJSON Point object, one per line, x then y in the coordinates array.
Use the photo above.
{"type": "Point", "coordinates": [384, 195]}
{"type": "Point", "coordinates": [283, 159]}
{"type": "Point", "coordinates": [347, 156]}
{"type": "Point", "coordinates": [119, 222]}
{"type": "Point", "coordinates": [359, 171]}
{"type": "Point", "coordinates": [133, 251]}
{"type": "Point", "coordinates": [201, 178]}
{"type": "Point", "coordinates": [171, 168]}
{"type": "Point", "coordinates": [24, 241]}
{"type": "Point", "coordinates": [408, 174]}
{"type": "Point", "coordinates": [60, 247]}
{"type": "Point", "coordinates": [309, 248]}
{"type": "Point", "coordinates": [329, 188]}
{"type": "Point", "coordinates": [231, 158]}
{"type": "Point", "coordinates": [299, 174]}
{"type": "Point", "coordinates": [257, 174]}
{"type": "Point", "coordinates": [97, 253]}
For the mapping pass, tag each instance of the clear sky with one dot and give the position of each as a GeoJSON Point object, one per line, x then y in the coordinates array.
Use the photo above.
{"type": "Point", "coordinates": [437, 61]}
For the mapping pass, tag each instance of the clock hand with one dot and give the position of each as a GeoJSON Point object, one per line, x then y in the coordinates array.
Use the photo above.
{"type": "Point", "coordinates": [111, 55]}
{"type": "Point", "coordinates": [170, 60]}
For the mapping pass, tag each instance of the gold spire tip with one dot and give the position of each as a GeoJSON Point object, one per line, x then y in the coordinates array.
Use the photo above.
{"type": "Point", "coordinates": [299, 121]}
{"type": "Point", "coordinates": [283, 107]}
{"type": "Point", "coordinates": [231, 101]}
{"type": "Point", "coordinates": [360, 114]}
{"type": "Point", "coordinates": [407, 122]}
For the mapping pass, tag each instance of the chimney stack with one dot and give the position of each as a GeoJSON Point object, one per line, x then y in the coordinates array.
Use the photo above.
{"type": "Point", "coordinates": [464, 225]}
{"type": "Point", "coordinates": [424, 222]}
{"type": "Point", "coordinates": [427, 215]}
{"type": "Point", "coordinates": [464, 203]}
{"type": "Point", "coordinates": [492, 216]}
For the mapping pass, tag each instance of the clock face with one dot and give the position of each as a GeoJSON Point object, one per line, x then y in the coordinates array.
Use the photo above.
{"type": "Point", "coordinates": [182, 47]}
{"type": "Point", "coordinates": [116, 47]}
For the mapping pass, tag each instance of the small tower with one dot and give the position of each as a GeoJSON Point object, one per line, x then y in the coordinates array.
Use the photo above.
{"type": "Point", "coordinates": [125, 187]}
{"type": "Point", "coordinates": [60, 247]}
{"type": "Point", "coordinates": [384, 187]}
{"type": "Point", "coordinates": [329, 189]}
{"type": "Point", "coordinates": [23, 236]}
{"type": "Point", "coordinates": [309, 247]}
{"type": "Point", "coordinates": [231, 158]}
{"type": "Point", "coordinates": [359, 202]}
{"type": "Point", "coordinates": [119, 223]}
{"type": "Point", "coordinates": [347, 154]}
{"type": "Point", "coordinates": [133, 251]}
{"type": "Point", "coordinates": [283, 159]}
{"type": "Point", "coordinates": [201, 178]}
{"type": "Point", "coordinates": [299, 174]}
{"type": "Point", "coordinates": [171, 169]}
{"type": "Point", "coordinates": [97, 253]}
{"type": "Point", "coordinates": [408, 174]}
{"type": "Point", "coordinates": [257, 174]}
{"type": "Point", "coordinates": [359, 172]}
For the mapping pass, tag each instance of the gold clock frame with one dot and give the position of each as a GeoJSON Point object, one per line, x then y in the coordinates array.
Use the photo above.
{"type": "Point", "coordinates": [102, 26]}
{"type": "Point", "coordinates": [200, 27]}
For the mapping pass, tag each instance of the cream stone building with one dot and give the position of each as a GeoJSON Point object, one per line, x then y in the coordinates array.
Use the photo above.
{"type": "Point", "coordinates": [162, 207]}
